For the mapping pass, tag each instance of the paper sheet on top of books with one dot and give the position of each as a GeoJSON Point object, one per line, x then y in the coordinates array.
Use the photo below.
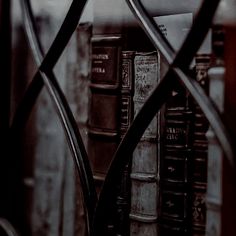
{"type": "Point", "coordinates": [175, 27]}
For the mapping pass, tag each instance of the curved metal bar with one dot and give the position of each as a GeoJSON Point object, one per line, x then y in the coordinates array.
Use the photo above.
{"type": "Point", "coordinates": [69, 25]}
{"type": "Point", "coordinates": [75, 143]}
{"type": "Point", "coordinates": [210, 112]}
{"type": "Point", "coordinates": [152, 30]}
{"type": "Point", "coordinates": [126, 148]}
{"type": "Point", "coordinates": [193, 40]}
{"type": "Point", "coordinates": [7, 227]}
{"type": "Point", "coordinates": [62, 38]}
{"type": "Point", "coordinates": [30, 28]}
{"type": "Point", "coordinates": [182, 59]}
{"type": "Point", "coordinates": [45, 76]}
{"type": "Point", "coordinates": [197, 34]}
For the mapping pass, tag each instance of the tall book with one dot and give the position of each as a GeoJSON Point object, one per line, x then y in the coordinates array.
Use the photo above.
{"type": "Point", "coordinates": [126, 116]}
{"type": "Point", "coordinates": [104, 108]}
{"type": "Point", "coordinates": [103, 123]}
{"type": "Point", "coordinates": [175, 165]}
{"type": "Point", "coordinates": [144, 184]}
{"type": "Point", "coordinates": [182, 176]}
{"type": "Point", "coordinates": [174, 202]}
{"type": "Point", "coordinates": [200, 149]}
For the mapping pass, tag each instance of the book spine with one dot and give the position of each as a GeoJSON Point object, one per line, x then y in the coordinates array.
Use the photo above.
{"type": "Point", "coordinates": [214, 196]}
{"type": "Point", "coordinates": [144, 185]}
{"type": "Point", "coordinates": [175, 165]}
{"type": "Point", "coordinates": [127, 91]}
{"type": "Point", "coordinates": [200, 150]}
{"type": "Point", "coordinates": [103, 123]}
{"type": "Point", "coordinates": [126, 116]}
{"type": "Point", "coordinates": [104, 113]}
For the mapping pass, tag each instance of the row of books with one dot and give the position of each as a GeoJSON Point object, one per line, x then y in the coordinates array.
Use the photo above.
{"type": "Point", "coordinates": [163, 191]}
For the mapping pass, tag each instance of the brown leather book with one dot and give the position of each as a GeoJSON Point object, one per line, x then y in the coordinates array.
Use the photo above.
{"type": "Point", "coordinates": [103, 123]}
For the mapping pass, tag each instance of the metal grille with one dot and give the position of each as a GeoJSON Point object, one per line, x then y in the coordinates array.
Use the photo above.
{"type": "Point", "coordinates": [98, 211]}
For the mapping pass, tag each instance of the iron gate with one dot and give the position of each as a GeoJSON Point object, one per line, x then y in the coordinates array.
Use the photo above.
{"type": "Point", "coordinates": [178, 62]}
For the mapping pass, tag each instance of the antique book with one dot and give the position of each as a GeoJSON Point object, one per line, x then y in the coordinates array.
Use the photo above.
{"type": "Point", "coordinates": [182, 208]}
{"type": "Point", "coordinates": [174, 200]}
{"type": "Point", "coordinates": [200, 150]}
{"type": "Point", "coordinates": [175, 165]}
{"type": "Point", "coordinates": [144, 184]}
{"type": "Point", "coordinates": [127, 91]}
{"type": "Point", "coordinates": [104, 110]}
{"type": "Point", "coordinates": [126, 116]}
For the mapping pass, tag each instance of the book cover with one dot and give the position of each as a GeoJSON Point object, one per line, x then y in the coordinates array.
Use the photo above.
{"type": "Point", "coordinates": [174, 211]}
{"type": "Point", "coordinates": [104, 108]}
{"type": "Point", "coordinates": [200, 150]}
{"type": "Point", "coordinates": [175, 166]}
{"type": "Point", "coordinates": [144, 184]}
{"type": "Point", "coordinates": [126, 116]}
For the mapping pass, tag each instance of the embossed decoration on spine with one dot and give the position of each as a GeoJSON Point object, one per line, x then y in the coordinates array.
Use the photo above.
{"type": "Point", "coordinates": [144, 187]}
{"type": "Point", "coordinates": [175, 165]}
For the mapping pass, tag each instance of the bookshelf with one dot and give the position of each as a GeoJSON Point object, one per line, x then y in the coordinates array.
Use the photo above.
{"type": "Point", "coordinates": [196, 152]}
{"type": "Point", "coordinates": [180, 179]}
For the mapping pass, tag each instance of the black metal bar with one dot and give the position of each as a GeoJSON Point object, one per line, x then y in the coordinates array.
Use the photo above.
{"type": "Point", "coordinates": [62, 38]}
{"type": "Point", "coordinates": [211, 113]}
{"type": "Point", "coordinates": [125, 150]}
{"type": "Point", "coordinates": [197, 34]}
{"type": "Point", "coordinates": [25, 106]}
{"type": "Point", "coordinates": [69, 25]}
{"type": "Point", "coordinates": [7, 227]}
{"type": "Point", "coordinates": [184, 57]}
{"type": "Point", "coordinates": [152, 30]}
{"type": "Point", "coordinates": [75, 143]}
{"type": "Point", "coordinates": [178, 63]}
{"type": "Point", "coordinates": [30, 29]}
{"type": "Point", "coordinates": [45, 76]}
